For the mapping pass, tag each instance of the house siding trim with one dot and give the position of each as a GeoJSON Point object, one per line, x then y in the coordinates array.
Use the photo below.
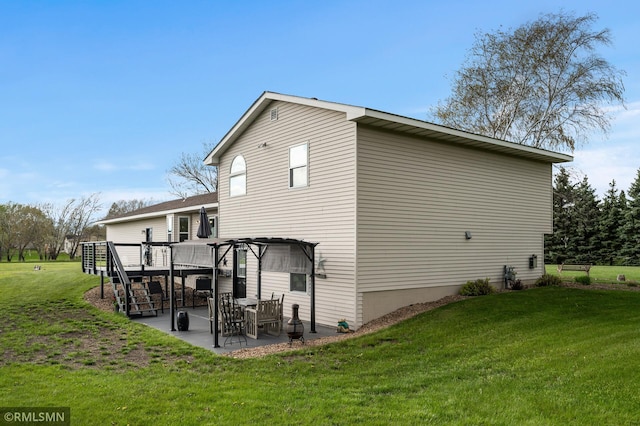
{"type": "Point", "coordinates": [384, 120]}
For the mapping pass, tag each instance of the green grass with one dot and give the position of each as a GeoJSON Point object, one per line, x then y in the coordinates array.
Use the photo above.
{"type": "Point", "coordinates": [602, 274]}
{"type": "Point", "coordinates": [32, 256]}
{"type": "Point", "coordinates": [542, 356]}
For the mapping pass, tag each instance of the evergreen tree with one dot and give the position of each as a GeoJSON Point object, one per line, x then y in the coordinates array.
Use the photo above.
{"type": "Point", "coordinates": [631, 227]}
{"type": "Point", "coordinates": [558, 245]}
{"type": "Point", "coordinates": [610, 225]}
{"type": "Point", "coordinates": [586, 213]}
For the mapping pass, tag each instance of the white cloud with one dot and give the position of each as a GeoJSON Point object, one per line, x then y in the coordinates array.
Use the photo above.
{"type": "Point", "coordinates": [105, 166]}
{"type": "Point", "coordinates": [142, 166]}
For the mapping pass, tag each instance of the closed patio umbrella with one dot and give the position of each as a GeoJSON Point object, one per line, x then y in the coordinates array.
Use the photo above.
{"type": "Point", "coordinates": [204, 229]}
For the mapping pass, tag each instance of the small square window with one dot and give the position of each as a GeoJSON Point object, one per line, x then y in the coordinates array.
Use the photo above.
{"type": "Point", "coordinates": [298, 282]}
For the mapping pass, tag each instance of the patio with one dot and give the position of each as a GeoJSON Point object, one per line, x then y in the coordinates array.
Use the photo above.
{"type": "Point", "coordinates": [199, 332]}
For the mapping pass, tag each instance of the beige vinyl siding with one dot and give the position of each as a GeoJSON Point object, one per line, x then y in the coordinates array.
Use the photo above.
{"type": "Point", "coordinates": [134, 233]}
{"type": "Point", "coordinates": [323, 212]}
{"type": "Point", "coordinates": [417, 198]}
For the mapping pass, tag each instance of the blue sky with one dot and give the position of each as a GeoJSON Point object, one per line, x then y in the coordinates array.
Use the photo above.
{"type": "Point", "coordinates": [104, 96]}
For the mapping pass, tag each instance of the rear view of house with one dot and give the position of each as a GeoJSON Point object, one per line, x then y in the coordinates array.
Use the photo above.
{"type": "Point", "coordinates": [404, 211]}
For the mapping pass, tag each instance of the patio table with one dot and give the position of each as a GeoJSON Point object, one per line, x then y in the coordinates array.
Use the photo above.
{"type": "Point", "coordinates": [245, 302]}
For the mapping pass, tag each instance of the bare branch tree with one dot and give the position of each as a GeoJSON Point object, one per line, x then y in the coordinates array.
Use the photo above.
{"type": "Point", "coordinates": [83, 215]}
{"type": "Point", "coordinates": [69, 222]}
{"type": "Point", "coordinates": [9, 228]}
{"type": "Point", "coordinates": [542, 84]}
{"type": "Point", "coordinates": [190, 176]}
{"type": "Point", "coordinates": [121, 207]}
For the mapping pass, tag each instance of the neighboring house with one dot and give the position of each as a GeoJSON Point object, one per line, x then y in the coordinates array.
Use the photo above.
{"type": "Point", "coordinates": [171, 221]}
{"type": "Point", "coordinates": [404, 211]}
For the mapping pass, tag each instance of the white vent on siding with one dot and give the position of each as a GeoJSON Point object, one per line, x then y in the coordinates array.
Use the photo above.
{"type": "Point", "coordinates": [274, 114]}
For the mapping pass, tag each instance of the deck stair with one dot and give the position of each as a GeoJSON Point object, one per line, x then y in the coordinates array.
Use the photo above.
{"type": "Point", "coordinates": [132, 298]}
{"type": "Point", "coordinates": [140, 302]}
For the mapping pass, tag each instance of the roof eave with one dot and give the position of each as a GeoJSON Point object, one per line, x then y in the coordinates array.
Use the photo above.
{"type": "Point", "coordinates": [160, 213]}
{"type": "Point", "coordinates": [213, 158]}
{"type": "Point", "coordinates": [410, 125]}
{"type": "Point", "coordinates": [389, 122]}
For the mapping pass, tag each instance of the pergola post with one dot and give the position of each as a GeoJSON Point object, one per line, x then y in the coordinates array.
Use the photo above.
{"type": "Point", "coordinates": [172, 292]}
{"type": "Point", "coordinates": [261, 250]}
{"type": "Point", "coordinates": [313, 290]}
{"type": "Point", "coordinates": [216, 343]}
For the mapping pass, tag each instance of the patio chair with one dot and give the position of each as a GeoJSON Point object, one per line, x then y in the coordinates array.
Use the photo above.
{"type": "Point", "coordinates": [265, 314]}
{"type": "Point", "coordinates": [239, 314]}
{"type": "Point", "coordinates": [210, 307]}
{"type": "Point", "coordinates": [156, 288]}
{"type": "Point", "coordinates": [231, 324]}
{"type": "Point", "coordinates": [280, 297]}
{"type": "Point", "coordinates": [202, 289]}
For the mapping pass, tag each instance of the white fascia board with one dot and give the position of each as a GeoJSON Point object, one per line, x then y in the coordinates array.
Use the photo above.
{"type": "Point", "coordinates": [213, 158]}
{"type": "Point", "coordinates": [355, 113]}
{"type": "Point", "coordinates": [161, 213]}
{"type": "Point", "coordinates": [555, 157]}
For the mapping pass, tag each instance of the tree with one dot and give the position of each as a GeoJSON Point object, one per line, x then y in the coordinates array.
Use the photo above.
{"type": "Point", "coordinates": [559, 245]}
{"type": "Point", "coordinates": [29, 222]}
{"type": "Point", "coordinates": [586, 213]}
{"type": "Point", "coordinates": [9, 228]}
{"type": "Point", "coordinates": [70, 222]}
{"type": "Point", "coordinates": [121, 207]}
{"type": "Point", "coordinates": [3, 236]}
{"type": "Point", "coordinates": [631, 228]}
{"type": "Point", "coordinates": [190, 176]}
{"type": "Point", "coordinates": [542, 84]}
{"type": "Point", "coordinates": [611, 221]}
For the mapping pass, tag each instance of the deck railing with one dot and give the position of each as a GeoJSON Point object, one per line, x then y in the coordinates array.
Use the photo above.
{"type": "Point", "coordinates": [106, 258]}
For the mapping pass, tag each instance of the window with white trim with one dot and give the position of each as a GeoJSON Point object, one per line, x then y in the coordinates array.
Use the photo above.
{"type": "Point", "coordinates": [213, 223]}
{"type": "Point", "coordinates": [238, 177]}
{"type": "Point", "coordinates": [298, 282]}
{"type": "Point", "coordinates": [170, 228]}
{"type": "Point", "coordinates": [298, 166]}
{"type": "Point", "coordinates": [183, 224]}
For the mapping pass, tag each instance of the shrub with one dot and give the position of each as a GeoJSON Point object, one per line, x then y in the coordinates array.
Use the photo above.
{"type": "Point", "coordinates": [548, 280]}
{"type": "Point", "coordinates": [517, 285]}
{"type": "Point", "coordinates": [479, 287]}
{"type": "Point", "coordinates": [583, 279]}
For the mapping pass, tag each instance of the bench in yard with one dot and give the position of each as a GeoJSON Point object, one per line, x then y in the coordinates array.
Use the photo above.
{"type": "Point", "coordinates": [584, 267]}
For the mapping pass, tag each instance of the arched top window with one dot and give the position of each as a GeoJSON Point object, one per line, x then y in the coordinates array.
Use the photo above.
{"type": "Point", "coordinates": [238, 165]}
{"type": "Point", "coordinates": [238, 177]}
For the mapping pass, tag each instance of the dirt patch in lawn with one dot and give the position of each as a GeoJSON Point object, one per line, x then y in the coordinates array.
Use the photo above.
{"type": "Point", "coordinates": [73, 337]}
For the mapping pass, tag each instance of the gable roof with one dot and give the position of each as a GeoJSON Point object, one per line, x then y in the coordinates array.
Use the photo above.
{"type": "Point", "coordinates": [180, 205]}
{"type": "Point", "coordinates": [390, 122]}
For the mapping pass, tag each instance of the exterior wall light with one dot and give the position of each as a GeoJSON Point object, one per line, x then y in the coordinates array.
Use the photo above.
{"type": "Point", "coordinates": [467, 235]}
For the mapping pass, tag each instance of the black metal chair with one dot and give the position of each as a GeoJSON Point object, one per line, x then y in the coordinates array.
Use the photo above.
{"type": "Point", "coordinates": [232, 325]}
{"type": "Point", "coordinates": [156, 288]}
{"type": "Point", "coordinates": [202, 289]}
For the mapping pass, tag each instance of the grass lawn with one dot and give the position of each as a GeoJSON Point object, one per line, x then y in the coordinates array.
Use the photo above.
{"type": "Point", "coordinates": [542, 356]}
{"type": "Point", "coordinates": [601, 274]}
